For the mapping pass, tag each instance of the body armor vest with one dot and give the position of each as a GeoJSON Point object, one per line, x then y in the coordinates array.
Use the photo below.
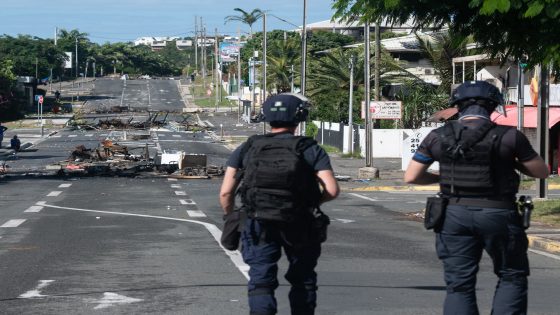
{"type": "Point", "coordinates": [470, 164]}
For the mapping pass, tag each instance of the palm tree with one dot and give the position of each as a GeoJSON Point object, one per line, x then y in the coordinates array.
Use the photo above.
{"type": "Point", "coordinates": [245, 17]}
{"type": "Point", "coordinates": [330, 76]}
{"type": "Point", "coordinates": [440, 48]}
{"type": "Point", "coordinates": [281, 56]}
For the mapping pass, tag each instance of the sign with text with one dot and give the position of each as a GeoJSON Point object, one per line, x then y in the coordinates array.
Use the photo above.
{"type": "Point", "coordinates": [411, 141]}
{"type": "Point", "coordinates": [385, 110]}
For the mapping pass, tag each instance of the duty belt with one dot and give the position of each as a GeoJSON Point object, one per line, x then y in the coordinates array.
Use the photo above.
{"type": "Point", "coordinates": [483, 203]}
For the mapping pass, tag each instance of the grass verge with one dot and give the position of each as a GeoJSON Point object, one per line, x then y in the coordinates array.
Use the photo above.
{"type": "Point", "coordinates": [329, 148]}
{"type": "Point", "coordinates": [547, 211]}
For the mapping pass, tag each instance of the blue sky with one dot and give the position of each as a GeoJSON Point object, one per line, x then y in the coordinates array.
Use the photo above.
{"type": "Point", "coordinates": [125, 20]}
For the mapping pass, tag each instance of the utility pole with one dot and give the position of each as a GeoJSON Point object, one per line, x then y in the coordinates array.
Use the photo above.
{"type": "Point", "coordinates": [239, 89]}
{"type": "Point", "coordinates": [542, 127]}
{"type": "Point", "coordinates": [520, 95]}
{"type": "Point", "coordinates": [350, 107]}
{"type": "Point", "coordinates": [77, 67]}
{"type": "Point", "coordinates": [55, 41]}
{"type": "Point", "coordinates": [217, 74]}
{"type": "Point", "coordinates": [263, 86]}
{"type": "Point", "coordinates": [377, 60]}
{"type": "Point", "coordinates": [367, 93]}
{"type": "Point", "coordinates": [195, 45]}
{"type": "Point", "coordinates": [303, 59]}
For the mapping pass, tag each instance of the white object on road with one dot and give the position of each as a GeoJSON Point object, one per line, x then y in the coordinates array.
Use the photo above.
{"type": "Point", "coordinates": [12, 223]}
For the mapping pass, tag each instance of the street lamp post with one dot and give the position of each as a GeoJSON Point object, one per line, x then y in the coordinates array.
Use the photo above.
{"type": "Point", "coordinates": [350, 106]}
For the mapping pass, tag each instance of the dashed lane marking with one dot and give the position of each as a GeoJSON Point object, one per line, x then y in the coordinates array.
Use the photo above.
{"type": "Point", "coordinates": [172, 179]}
{"type": "Point", "coordinates": [89, 135]}
{"type": "Point", "coordinates": [56, 136]}
{"type": "Point", "coordinates": [36, 293]}
{"type": "Point", "coordinates": [176, 186]}
{"type": "Point", "coordinates": [187, 202]}
{"type": "Point", "coordinates": [12, 223]}
{"type": "Point", "coordinates": [196, 214]}
{"type": "Point", "coordinates": [54, 193]}
{"type": "Point", "coordinates": [180, 193]}
{"type": "Point", "coordinates": [72, 136]}
{"type": "Point", "coordinates": [363, 197]}
{"type": "Point", "coordinates": [34, 209]}
{"type": "Point", "coordinates": [216, 233]}
{"type": "Point", "coordinates": [64, 185]}
{"type": "Point", "coordinates": [161, 135]}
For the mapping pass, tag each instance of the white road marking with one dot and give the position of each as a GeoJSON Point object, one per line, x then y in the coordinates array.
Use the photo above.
{"type": "Point", "coordinates": [187, 202]}
{"type": "Point", "coordinates": [104, 135]}
{"type": "Point", "coordinates": [345, 220]}
{"type": "Point", "coordinates": [172, 179]}
{"type": "Point", "coordinates": [56, 136]}
{"type": "Point", "coordinates": [34, 209]}
{"type": "Point", "coordinates": [110, 299]}
{"type": "Point", "coordinates": [177, 136]}
{"type": "Point", "coordinates": [363, 197]}
{"type": "Point", "coordinates": [72, 136]}
{"type": "Point", "coordinates": [209, 123]}
{"type": "Point", "coordinates": [89, 135]}
{"type": "Point", "coordinates": [64, 185]}
{"type": "Point", "coordinates": [54, 193]}
{"type": "Point", "coordinates": [176, 186]}
{"type": "Point", "coordinates": [234, 256]}
{"type": "Point", "coordinates": [12, 223]}
{"type": "Point", "coordinates": [549, 255]}
{"type": "Point", "coordinates": [161, 135]}
{"type": "Point", "coordinates": [180, 193]}
{"type": "Point", "coordinates": [196, 214]}
{"type": "Point", "coordinates": [36, 293]}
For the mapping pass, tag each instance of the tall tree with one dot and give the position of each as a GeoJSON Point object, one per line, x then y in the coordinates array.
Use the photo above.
{"type": "Point", "coordinates": [440, 48]}
{"type": "Point", "coordinates": [246, 17]}
{"type": "Point", "coordinates": [515, 28]}
{"type": "Point", "coordinates": [282, 56]}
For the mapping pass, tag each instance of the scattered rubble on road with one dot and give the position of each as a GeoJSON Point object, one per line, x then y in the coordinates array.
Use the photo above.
{"type": "Point", "coordinates": [182, 122]}
{"type": "Point", "coordinates": [113, 159]}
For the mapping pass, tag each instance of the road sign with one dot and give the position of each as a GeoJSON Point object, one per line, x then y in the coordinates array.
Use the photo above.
{"type": "Point", "coordinates": [385, 110]}
{"type": "Point", "coordinates": [411, 141]}
{"type": "Point", "coordinates": [40, 100]}
{"type": "Point", "coordinates": [37, 98]}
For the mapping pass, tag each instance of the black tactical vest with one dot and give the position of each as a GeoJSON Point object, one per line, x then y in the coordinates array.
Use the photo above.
{"type": "Point", "coordinates": [470, 165]}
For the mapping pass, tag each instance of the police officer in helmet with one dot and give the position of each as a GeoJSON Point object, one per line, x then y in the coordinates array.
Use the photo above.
{"type": "Point", "coordinates": [478, 181]}
{"type": "Point", "coordinates": [281, 180]}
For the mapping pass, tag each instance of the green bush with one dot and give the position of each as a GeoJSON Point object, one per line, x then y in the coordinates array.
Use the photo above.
{"type": "Point", "coordinates": [311, 130]}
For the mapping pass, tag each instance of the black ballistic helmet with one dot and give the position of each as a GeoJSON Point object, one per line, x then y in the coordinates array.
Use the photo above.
{"type": "Point", "coordinates": [285, 108]}
{"type": "Point", "coordinates": [477, 92]}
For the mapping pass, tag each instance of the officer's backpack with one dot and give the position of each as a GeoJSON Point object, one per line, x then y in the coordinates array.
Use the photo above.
{"type": "Point", "coordinates": [278, 184]}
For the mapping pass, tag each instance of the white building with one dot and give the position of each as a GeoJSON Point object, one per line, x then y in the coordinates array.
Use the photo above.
{"type": "Point", "coordinates": [148, 40]}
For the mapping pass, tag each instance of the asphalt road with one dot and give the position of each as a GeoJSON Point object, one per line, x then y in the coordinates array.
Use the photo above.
{"type": "Point", "coordinates": [135, 95]}
{"type": "Point", "coordinates": [148, 245]}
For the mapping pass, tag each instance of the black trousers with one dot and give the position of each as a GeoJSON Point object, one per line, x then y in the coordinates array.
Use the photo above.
{"type": "Point", "coordinates": [466, 232]}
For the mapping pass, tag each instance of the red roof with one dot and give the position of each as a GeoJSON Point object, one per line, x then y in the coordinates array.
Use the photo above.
{"type": "Point", "coordinates": [529, 117]}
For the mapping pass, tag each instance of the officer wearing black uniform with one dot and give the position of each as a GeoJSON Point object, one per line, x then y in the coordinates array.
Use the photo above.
{"type": "Point", "coordinates": [266, 233]}
{"type": "Point", "coordinates": [477, 178]}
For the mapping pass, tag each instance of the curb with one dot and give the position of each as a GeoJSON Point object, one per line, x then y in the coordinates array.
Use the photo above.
{"type": "Point", "coordinates": [543, 244]}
